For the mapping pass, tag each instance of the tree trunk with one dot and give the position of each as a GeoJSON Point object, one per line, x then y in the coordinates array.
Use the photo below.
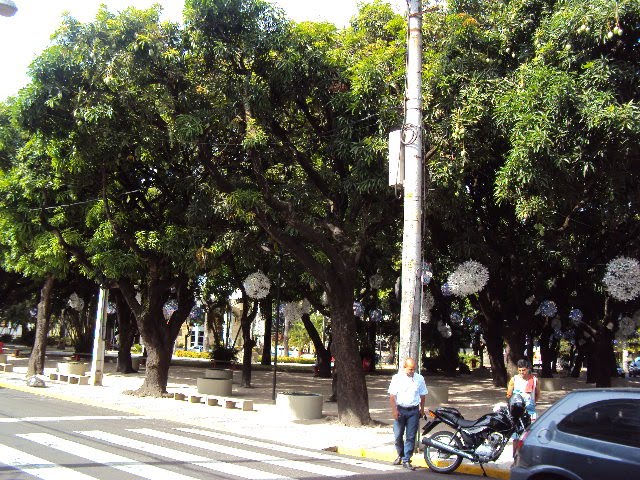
{"type": "Point", "coordinates": [158, 334]}
{"type": "Point", "coordinates": [126, 333]}
{"type": "Point", "coordinates": [546, 351]}
{"type": "Point", "coordinates": [352, 397]}
{"type": "Point", "coordinates": [247, 346]}
{"type": "Point", "coordinates": [39, 350]}
{"type": "Point", "coordinates": [285, 337]}
{"type": "Point", "coordinates": [267, 311]}
{"type": "Point", "coordinates": [492, 328]}
{"type": "Point", "coordinates": [602, 353]}
{"type": "Point", "coordinates": [322, 354]}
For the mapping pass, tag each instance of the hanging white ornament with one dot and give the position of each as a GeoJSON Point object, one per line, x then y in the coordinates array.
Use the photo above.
{"type": "Point", "coordinates": [257, 285]}
{"type": "Point", "coordinates": [75, 302]}
{"type": "Point", "coordinates": [622, 278]}
{"type": "Point", "coordinates": [575, 315]}
{"type": "Point", "coordinates": [547, 309]}
{"type": "Point", "coordinates": [358, 309]}
{"type": "Point", "coordinates": [627, 326]}
{"type": "Point", "coordinates": [305, 306]}
{"type": "Point", "coordinates": [446, 289]}
{"type": "Point", "coordinates": [376, 315]}
{"type": "Point", "coordinates": [111, 308]}
{"type": "Point", "coordinates": [468, 278]}
{"type": "Point", "coordinates": [530, 300]}
{"type": "Point", "coordinates": [456, 318]}
{"type": "Point", "coordinates": [428, 301]}
{"type": "Point", "coordinates": [168, 308]}
{"type": "Point", "coordinates": [292, 312]}
{"type": "Point", "coordinates": [139, 297]}
{"type": "Point", "coordinates": [376, 281]}
{"type": "Point", "coordinates": [426, 273]}
{"type": "Point", "coordinates": [324, 299]}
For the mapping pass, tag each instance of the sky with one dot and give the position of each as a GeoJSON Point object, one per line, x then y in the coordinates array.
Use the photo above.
{"type": "Point", "coordinates": [27, 33]}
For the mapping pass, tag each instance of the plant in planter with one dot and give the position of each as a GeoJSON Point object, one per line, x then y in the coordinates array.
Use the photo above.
{"type": "Point", "coordinates": [221, 355]}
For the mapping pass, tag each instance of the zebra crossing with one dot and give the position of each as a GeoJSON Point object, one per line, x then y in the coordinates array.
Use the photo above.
{"type": "Point", "coordinates": [167, 453]}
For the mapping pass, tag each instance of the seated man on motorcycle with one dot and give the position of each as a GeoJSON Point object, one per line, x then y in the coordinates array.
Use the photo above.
{"type": "Point", "coordinates": [525, 384]}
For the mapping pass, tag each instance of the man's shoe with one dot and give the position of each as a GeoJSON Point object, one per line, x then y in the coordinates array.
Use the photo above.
{"type": "Point", "coordinates": [397, 461]}
{"type": "Point", "coordinates": [408, 466]}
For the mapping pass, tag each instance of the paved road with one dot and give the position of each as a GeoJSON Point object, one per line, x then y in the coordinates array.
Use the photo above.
{"type": "Point", "coordinates": [50, 439]}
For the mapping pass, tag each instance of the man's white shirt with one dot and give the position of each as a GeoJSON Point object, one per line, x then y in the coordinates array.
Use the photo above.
{"type": "Point", "coordinates": [406, 389]}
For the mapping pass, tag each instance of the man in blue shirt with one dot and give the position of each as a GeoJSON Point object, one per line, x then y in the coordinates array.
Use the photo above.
{"type": "Point", "coordinates": [407, 393]}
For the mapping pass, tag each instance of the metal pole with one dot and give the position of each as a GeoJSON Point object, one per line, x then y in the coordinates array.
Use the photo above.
{"type": "Point", "coordinates": [275, 355]}
{"type": "Point", "coordinates": [97, 360]}
{"type": "Point", "coordinates": [412, 237]}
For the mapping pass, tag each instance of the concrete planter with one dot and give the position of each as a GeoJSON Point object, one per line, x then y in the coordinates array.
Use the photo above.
{"type": "Point", "coordinates": [437, 396]}
{"type": "Point", "coordinates": [3, 358]}
{"type": "Point", "coordinates": [299, 405]}
{"type": "Point", "coordinates": [219, 373]}
{"type": "Point", "coordinates": [214, 386]}
{"type": "Point", "coordinates": [72, 368]}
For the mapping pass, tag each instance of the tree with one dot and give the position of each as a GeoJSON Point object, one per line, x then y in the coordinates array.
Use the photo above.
{"type": "Point", "coordinates": [308, 108]}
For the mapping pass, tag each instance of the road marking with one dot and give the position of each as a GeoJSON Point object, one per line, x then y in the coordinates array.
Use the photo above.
{"type": "Point", "coordinates": [293, 450]}
{"type": "Point", "coordinates": [215, 465]}
{"type": "Point", "coordinates": [250, 454]}
{"type": "Point", "coordinates": [78, 418]}
{"type": "Point", "coordinates": [38, 467]}
{"type": "Point", "coordinates": [118, 462]}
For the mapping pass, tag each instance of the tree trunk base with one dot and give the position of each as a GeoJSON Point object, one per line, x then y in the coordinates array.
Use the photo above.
{"type": "Point", "coordinates": [148, 392]}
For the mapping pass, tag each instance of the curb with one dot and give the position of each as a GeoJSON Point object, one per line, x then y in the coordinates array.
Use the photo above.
{"type": "Point", "coordinates": [418, 461]}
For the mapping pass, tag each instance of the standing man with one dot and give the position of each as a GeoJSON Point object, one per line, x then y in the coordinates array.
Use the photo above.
{"type": "Point", "coordinates": [407, 393]}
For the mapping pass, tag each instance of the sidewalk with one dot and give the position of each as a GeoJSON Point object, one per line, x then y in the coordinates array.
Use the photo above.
{"type": "Point", "coordinates": [472, 395]}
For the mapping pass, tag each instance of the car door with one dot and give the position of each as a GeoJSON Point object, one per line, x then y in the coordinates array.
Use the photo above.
{"type": "Point", "coordinates": [602, 439]}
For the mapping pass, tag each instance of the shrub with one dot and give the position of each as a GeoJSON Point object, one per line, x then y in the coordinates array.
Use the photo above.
{"type": "Point", "coordinates": [136, 348]}
{"type": "Point", "coordinates": [223, 354]}
{"type": "Point", "coordinates": [192, 354]}
{"type": "Point", "coordinates": [299, 360]}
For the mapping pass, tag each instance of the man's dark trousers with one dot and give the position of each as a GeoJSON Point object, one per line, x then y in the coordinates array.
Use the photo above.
{"type": "Point", "coordinates": [406, 426]}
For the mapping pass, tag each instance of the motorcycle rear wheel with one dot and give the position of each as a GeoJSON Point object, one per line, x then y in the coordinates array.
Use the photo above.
{"type": "Point", "coordinates": [439, 461]}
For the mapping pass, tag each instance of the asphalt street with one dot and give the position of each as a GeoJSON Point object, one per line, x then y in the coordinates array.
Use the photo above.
{"type": "Point", "coordinates": [51, 439]}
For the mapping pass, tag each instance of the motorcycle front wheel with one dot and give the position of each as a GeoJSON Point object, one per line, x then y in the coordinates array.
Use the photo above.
{"type": "Point", "coordinates": [439, 461]}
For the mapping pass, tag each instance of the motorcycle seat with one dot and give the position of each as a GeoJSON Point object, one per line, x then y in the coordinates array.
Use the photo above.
{"type": "Point", "coordinates": [466, 423]}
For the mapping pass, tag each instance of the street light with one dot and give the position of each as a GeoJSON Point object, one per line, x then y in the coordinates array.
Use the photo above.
{"type": "Point", "coordinates": [7, 8]}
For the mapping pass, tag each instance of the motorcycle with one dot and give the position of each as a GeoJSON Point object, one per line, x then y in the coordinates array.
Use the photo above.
{"type": "Point", "coordinates": [481, 441]}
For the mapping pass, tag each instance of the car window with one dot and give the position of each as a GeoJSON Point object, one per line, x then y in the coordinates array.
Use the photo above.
{"type": "Point", "coordinates": [616, 421]}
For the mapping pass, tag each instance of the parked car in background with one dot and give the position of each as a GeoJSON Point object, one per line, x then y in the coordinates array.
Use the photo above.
{"type": "Point", "coordinates": [589, 434]}
{"type": "Point", "coordinates": [634, 369]}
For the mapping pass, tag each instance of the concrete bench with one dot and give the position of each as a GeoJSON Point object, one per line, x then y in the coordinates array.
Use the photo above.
{"type": "Point", "coordinates": [6, 367]}
{"type": "Point", "coordinates": [70, 378]}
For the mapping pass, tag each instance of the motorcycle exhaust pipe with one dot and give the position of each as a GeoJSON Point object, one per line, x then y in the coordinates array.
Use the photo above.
{"type": "Point", "coordinates": [447, 448]}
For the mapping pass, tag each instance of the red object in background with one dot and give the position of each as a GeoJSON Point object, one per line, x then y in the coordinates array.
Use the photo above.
{"type": "Point", "coordinates": [1, 347]}
{"type": "Point", "coordinates": [366, 364]}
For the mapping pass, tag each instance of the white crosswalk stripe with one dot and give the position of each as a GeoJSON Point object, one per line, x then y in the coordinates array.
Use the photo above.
{"type": "Point", "coordinates": [38, 467]}
{"type": "Point", "coordinates": [160, 455]}
{"type": "Point", "coordinates": [253, 455]}
{"type": "Point", "coordinates": [204, 462]}
{"type": "Point", "coordinates": [118, 462]}
{"type": "Point", "coordinates": [292, 450]}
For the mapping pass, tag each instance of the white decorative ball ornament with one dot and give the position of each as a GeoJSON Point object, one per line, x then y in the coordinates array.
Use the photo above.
{"type": "Point", "coordinates": [622, 278]}
{"type": "Point", "coordinates": [468, 278]}
{"type": "Point", "coordinates": [257, 285]}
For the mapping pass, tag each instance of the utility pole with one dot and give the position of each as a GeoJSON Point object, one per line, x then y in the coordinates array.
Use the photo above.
{"type": "Point", "coordinates": [412, 228]}
{"type": "Point", "coordinates": [97, 362]}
